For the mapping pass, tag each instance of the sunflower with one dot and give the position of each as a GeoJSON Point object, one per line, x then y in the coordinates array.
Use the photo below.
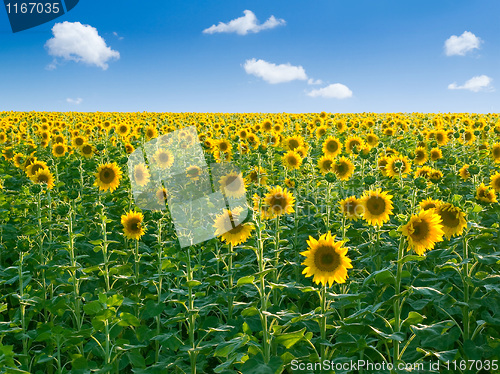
{"type": "Point", "coordinates": [123, 129]}
{"type": "Point", "coordinates": [326, 260]}
{"type": "Point", "coordinates": [453, 219]}
{"type": "Point", "coordinates": [289, 183]}
{"type": "Point", "coordinates": [382, 164]}
{"type": "Point", "coordinates": [108, 177]}
{"type": "Point", "coordinates": [294, 142]}
{"type": "Point", "coordinates": [35, 167]}
{"type": "Point", "coordinates": [44, 176]}
{"type": "Point", "coordinates": [464, 172]}
{"type": "Point", "coordinates": [164, 158]}
{"type": "Point", "coordinates": [377, 207]}
{"type": "Point", "coordinates": [78, 141]}
{"type": "Point", "coordinates": [19, 160]}
{"type": "Point", "coordinates": [436, 154]}
{"type": "Point", "coordinates": [224, 146]}
{"type": "Point", "coordinates": [233, 185]}
{"type": "Point", "coordinates": [351, 208]}
{"type": "Point", "coordinates": [87, 150]}
{"type": "Point", "coordinates": [260, 208]}
{"type": "Point", "coordinates": [397, 166]}
{"type": "Point", "coordinates": [495, 152]}
{"type": "Point", "coordinates": [485, 194]}
{"type": "Point", "coordinates": [59, 150]}
{"type": "Point", "coordinates": [292, 160]}
{"type": "Point", "coordinates": [230, 232]}
{"type": "Point", "coordinates": [424, 172]}
{"type": "Point", "coordinates": [161, 195]}
{"type": "Point", "coordinates": [429, 204]}
{"type": "Point", "coordinates": [325, 164]}
{"type": "Point", "coordinates": [354, 142]}
{"type": "Point", "coordinates": [332, 146]}
{"type": "Point", "coordinates": [129, 148]}
{"type": "Point", "coordinates": [132, 225]}
{"type": "Point", "coordinates": [8, 153]}
{"type": "Point", "coordinates": [141, 174]}
{"type": "Point", "coordinates": [267, 125]}
{"type": "Point", "coordinates": [495, 182]}
{"type": "Point", "coordinates": [257, 176]}
{"type": "Point", "coordinates": [193, 172]}
{"type": "Point", "coordinates": [421, 156]}
{"type": "Point", "coordinates": [150, 132]}
{"type": "Point", "coordinates": [343, 168]}
{"type": "Point", "coordinates": [302, 151]}
{"type": "Point", "coordinates": [423, 231]}
{"type": "Point", "coordinates": [372, 140]}
{"type": "Point", "coordinates": [279, 202]}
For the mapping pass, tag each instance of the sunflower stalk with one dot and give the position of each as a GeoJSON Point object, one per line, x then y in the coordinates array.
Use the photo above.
{"type": "Point", "coordinates": [191, 314]}
{"type": "Point", "coordinates": [397, 302]}
{"type": "Point", "coordinates": [322, 301]}
{"type": "Point", "coordinates": [276, 258]}
{"type": "Point", "coordinates": [465, 281]}
{"type": "Point", "coordinates": [159, 289]}
{"type": "Point", "coordinates": [230, 282]}
{"type": "Point", "coordinates": [104, 247]}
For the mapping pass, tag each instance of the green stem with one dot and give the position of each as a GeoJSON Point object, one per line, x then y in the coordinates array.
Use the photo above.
{"type": "Point", "coordinates": [322, 300]}
{"type": "Point", "coordinates": [397, 303]}
{"type": "Point", "coordinates": [276, 258]}
{"type": "Point", "coordinates": [192, 317]}
{"type": "Point", "coordinates": [465, 278]}
{"type": "Point", "coordinates": [266, 346]}
{"type": "Point", "coordinates": [160, 285]}
{"type": "Point", "coordinates": [230, 282]}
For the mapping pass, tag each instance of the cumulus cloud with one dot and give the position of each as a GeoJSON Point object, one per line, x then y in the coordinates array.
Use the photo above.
{"type": "Point", "coordinates": [475, 84]}
{"type": "Point", "coordinates": [311, 81]}
{"type": "Point", "coordinates": [332, 91]}
{"type": "Point", "coordinates": [273, 73]}
{"type": "Point", "coordinates": [73, 41]}
{"type": "Point", "coordinates": [245, 24]}
{"type": "Point", "coordinates": [77, 101]}
{"type": "Point", "coordinates": [460, 45]}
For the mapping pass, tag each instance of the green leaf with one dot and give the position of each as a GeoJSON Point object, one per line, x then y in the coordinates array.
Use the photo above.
{"type": "Point", "coordinates": [136, 359]}
{"type": "Point", "coordinates": [245, 280]}
{"type": "Point", "coordinates": [249, 312]}
{"type": "Point", "coordinates": [93, 307]}
{"type": "Point", "coordinates": [192, 283]}
{"type": "Point", "coordinates": [290, 339]}
{"type": "Point", "coordinates": [413, 318]}
{"type": "Point", "coordinates": [224, 349]}
{"type": "Point", "coordinates": [128, 319]}
{"type": "Point", "coordinates": [254, 366]}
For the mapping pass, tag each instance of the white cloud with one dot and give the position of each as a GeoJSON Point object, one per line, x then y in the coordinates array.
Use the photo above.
{"type": "Point", "coordinates": [311, 81]}
{"type": "Point", "coordinates": [81, 43]}
{"type": "Point", "coordinates": [460, 45]}
{"type": "Point", "coordinates": [118, 36]}
{"type": "Point", "coordinates": [77, 101]}
{"type": "Point", "coordinates": [475, 84]}
{"type": "Point", "coordinates": [273, 73]}
{"type": "Point", "coordinates": [335, 91]}
{"type": "Point", "coordinates": [244, 25]}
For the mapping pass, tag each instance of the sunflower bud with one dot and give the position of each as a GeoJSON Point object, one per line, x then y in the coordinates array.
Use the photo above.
{"type": "Point", "coordinates": [420, 183]}
{"type": "Point", "coordinates": [35, 189]}
{"type": "Point", "coordinates": [73, 194]}
{"type": "Point", "coordinates": [474, 169]}
{"type": "Point", "coordinates": [477, 132]}
{"type": "Point", "coordinates": [330, 177]}
{"type": "Point", "coordinates": [434, 144]}
{"type": "Point", "coordinates": [100, 147]}
{"type": "Point", "coordinates": [456, 135]}
{"type": "Point", "coordinates": [369, 180]}
{"type": "Point", "coordinates": [157, 215]}
{"type": "Point", "coordinates": [62, 210]}
{"type": "Point", "coordinates": [451, 160]}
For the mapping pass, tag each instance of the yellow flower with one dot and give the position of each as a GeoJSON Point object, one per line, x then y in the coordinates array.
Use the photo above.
{"type": "Point", "coordinates": [421, 156]}
{"type": "Point", "coordinates": [495, 152]}
{"type": "Point", "coordinates": [326, 260]}
{"type": "Point", "coordinates": [164, 158]}
{"type": "Point", "coordinates": [233, 185]}
{"type": "Point", "coordinates": [464, 172]}
{"type": "Point", "coordinates": [377, 207]}
{"type": "Point", "coordinates": [423, 231]}
{"type": "Point", "coordinates": [132, 225]}
{"type": "Point", "coordinates": [141, 174]}
{"type": "Point", "coordinates": [429, 204]}
{"type": "Point", "coordinates": [343, 168]}
{"type": "Point", "coordinates": [193, 172]}
{"type": "Point", "coordinates": [228, 225]}
{"type": "Point", "coordinates": [44, 176]}
{"type": "Point", "coordinates": [292, 160]}
{"type": "Point", "coordinates": [325, 164]}
{"type": "Point", "coordinates": [59, 150]}
{"type": "Point", "coordinates": [108, 177]}
{"type": "Point", "coordinates": [495, 182]}
{"type": "Point", "coordinates": [351, 208]}
{"type": "Point", "coordinates": [436, 154]}
{"type": "Point", "coordinates": [485, 194]}
{"type": "Point", "coordinates": [332, 146]}
{"type": "Point", "coordinates": [279, 202]}
{"type": "Point", "coordinates": [397, 165]}
{"type": "Point", "coordinates": [453, 219]}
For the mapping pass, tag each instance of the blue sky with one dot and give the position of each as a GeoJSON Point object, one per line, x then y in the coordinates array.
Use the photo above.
{"type": "Point", "coordinates": [362, 56]}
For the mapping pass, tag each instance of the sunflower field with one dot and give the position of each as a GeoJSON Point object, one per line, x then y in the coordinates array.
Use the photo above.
{"type": "Point", "coordinates": [366, 243]}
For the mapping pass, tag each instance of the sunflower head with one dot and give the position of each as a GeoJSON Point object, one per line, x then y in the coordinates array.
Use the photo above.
{"type": "Point", "coordinates": [351, 208]}
{"type": "Point", "coordinates": [377, 207]}
{"type": "Point", "coordinates": [343, 168]}
{"type": "Point", "coordinates": [485, 194]}
{"type": "Point", "coordinates": [108, 177]}
{"type": "Point", "coordinates": [164, 158]}
{"type": "Point", "coordinates": [325, 164]}
{"type": "Point", "coordinates": [423, 231]}
{"type": "Point", "coordinates": [59, 150]}
{"type": "Point", "coordinates": [43, 176]}
{"type": "Point", "coordinates": [495, 182]}
{"type": "Point", "coordinates": [452, 219]}
{"type": "Point", "coordinates": [233, 185]}
{"type": "Point", "coordinates": [132, 225]}
{"type": "Point", "coordinates": [326, 260]}
{"type": "Point", "coordinates": [229, 226]}
{"type": "Point", "coordinates": [279, 201]}
{"type": "Point", "coordinates": [141, 174]}
{"type": "Point", "coordinates": [292, 160]}
{"type": "Point", "coordinates": [464, 172]}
